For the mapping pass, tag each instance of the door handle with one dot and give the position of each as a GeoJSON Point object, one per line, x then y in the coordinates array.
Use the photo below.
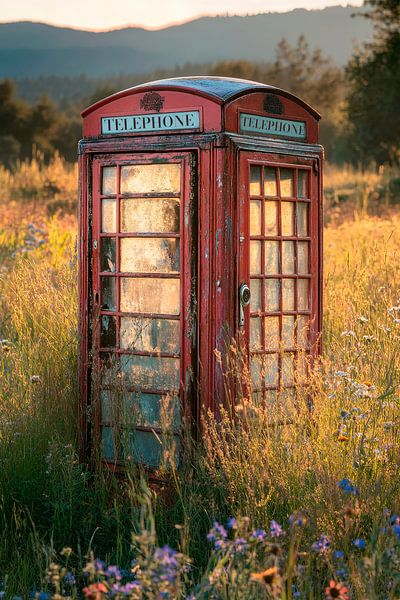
{"type": "Point", "coordinates": [244, 300]}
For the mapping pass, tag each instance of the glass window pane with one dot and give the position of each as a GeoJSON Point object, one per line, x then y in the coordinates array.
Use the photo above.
{"type": "Point", "coordinates": [303, 331]}
{"type": "Point", "coordinates": [287, 369]}
{"type": "Point", "coordinates": [108, 215]}
{"type": "Point", "coordinates": [302, 184]}
{"type": "Point", "coordinates": [288, 331]}
{"type": "Point", "coordinates": [109, 181]}
{"type": "Point", "coordinates": [271, 369]}
{"type": "Point", "coordinates": [150, 335]}
{"type": "Point", "coordinates": [108, 331]}
{"type": "Point", "coordinates": [150, 295]}
{"type": "Point", "coordinates": [146, 448]}
{"type": "Point", "coordinates": [272, 336]}
{"type": "Point", "coordinates": [108, 293]}
{"type": "Point", "coordinates": [255, 333]}
{"type": "Point", "coordinates": [301, 367]}
{"type": "Point", "coordinates": [108, 368]}
{"type": "Point", "coordinates": [287, 294]}
{"type": "Point", "coordinates": [271, 217]}
{"type": "Point", "coordinates": [136, 408]}
{"type": "Point", "coordinates": [255, 180]}
{"type": "Point", "coordinates": [272, 264]}
{"type": "Point", "coordinates": [256, 369]}
{"type": "Point", "coordinates": [106, 406]}
{"type": "Point", "coordinates": [150, 179]}
{"type": "Point", "coordinates": [270, 399]}
{"type": "Point", "coordinates": [272, 287]}
{"type": "Point", "coordinates": [287, 187]}
{"type": "Point", "coordinates": [255, 217]}
{"type": "Point", "coordinates": [255, 257]}
{"type": "Point", "coordinates": [107, 443]}
{"type": "Point", "coordinates": [287, 216]}
{"type": "Point", "coordinates": [288, 257]}
{"type": "Point", "coordinates": [153, 372]}
{"type": "Point", "coordinates": [303, 302]}
{"type": "Point", "coordinates": [255, 295]}
{"type": "Point", "coordinates": [150, 215]}
{"type": "Point", "coordinates": [302, 219]}
{"type": "Point", "coordinates": [107, 259]}
{"type": "Point", "coordinates": [270, 188]}
{"type": "Point", "coordinates": [150, 255]}
{"type": "Point", "coordinates": [302, 258]}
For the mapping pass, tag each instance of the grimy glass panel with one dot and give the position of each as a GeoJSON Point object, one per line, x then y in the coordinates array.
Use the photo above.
{"type": "Point", "coordinates": [108, 331]}
{"type": "Point", "coordinates": [288, 331]}
{"type": "Point", "coordinates": [255, 217]}
{"type": "Point", "coordinates": [287, 294]}
{"type": "Point", "coordinates": [255, 333]}
{"type": "Point", "coordinates": [151, 372]}
{"type": "Point", "coordinates": [108, 215]}
{"type": "Point", "coordinates": [271, 217]}
{"type": "Point", "coordinates": [302, 219]}
{"type": "Point", "coordinates": [108, 368]}
{"type": "Point", "coordinates": [150, 215]}
{"type": "Point", "coordinates": [302, 257]}
{"type": "Point", "coordinates": [109, 182]}
{"type": "Point", "coordinates": [147, 448]}
{"type": "Point", "coordinates": [255, 257]}
{"type": "Point", "coordinates": [287, 216]}
{"type": "Point", "coordinates": [150, 255]}
{"type": "Point", "coordinates": [150, 295]}
{"type": "Point", "coordinates": [302, 184]}
{"type": "Point", "coordinates": [270, 187]}
{"type": "Point", "coordinates": [287, 187]}
{"type": "Point", "coordinates": [150, 335]}
{"type": "Point", "coordinates": [272, 255]}
{"type": "Point", "coordinates": [271, 369]}
{"type": "Point", "coordinates": [107, 443]}
{"type": "Point", "coordinates": [255, 180]}
{"type": "Point", "coordinates": [255, 295]}
{"type": "Point", "coordinates": [272, 287]}
{"type": "Point", "coordinates": [107, 260]}
{"type": "Point", "coordinates": [288, 257]}
{"type": "Point", "coordinates": [139, 408]}
{"type": "Point", "coordinates": [151, 178]}
{"type": "Point", "coordinates": [303, 329]}
{"type": "Point", "coordinates": [272, 337]}
{"type": "Point", "coordinates": [108, 293]}
{"type": "Point", "coordinates": [303, 302]}
{"type": "Point", "coordinates": [287, 369]}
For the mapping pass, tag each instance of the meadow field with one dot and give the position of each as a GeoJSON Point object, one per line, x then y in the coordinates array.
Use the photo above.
{"type": "Point", "coordinates": [309, 510]}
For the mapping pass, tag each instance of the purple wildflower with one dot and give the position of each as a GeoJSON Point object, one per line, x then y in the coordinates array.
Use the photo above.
{"type": "Point", "coordinates": [69, 578]}
{"type": "Point", "coordinates": [275, 529]}
{"type": "Point", "coordinates": [232, 523]}
{"type": "Point", "coordinates": [359, 543]}
{"type": "Point", "coordinates": [322, 545]}
{"type": "Point", "coordinates": [259, 534]}
{"type": "Point", "coordinates": [240, 545]}
{"type": "Point", "coordinates": [113, 572]}
{"type": "Point", "coordinates": [167, 564]}
{"type": "Point", "coordinates": [99, 566]}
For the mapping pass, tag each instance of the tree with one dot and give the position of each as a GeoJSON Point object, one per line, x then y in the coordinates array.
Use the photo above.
{"type": "Point", "coordinates": [374, 94]}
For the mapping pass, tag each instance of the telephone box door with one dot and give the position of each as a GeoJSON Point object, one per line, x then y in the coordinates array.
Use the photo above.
{"type": "Point", "coordinates": [279, 261]}
{"type": "Point", "coordinates": [144, 323]}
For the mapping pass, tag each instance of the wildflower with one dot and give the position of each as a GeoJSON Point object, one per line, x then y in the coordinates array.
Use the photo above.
{"type": "Point", "coordinates": [35, 379]}
{"type": "Point", "coordinates": [336, 590]}
{"type": "Point", "coordinates": [95, 591]}
{"type": "Point", "coordinates": [340, 373]}
{"type": "Point", "coordinates": [218, 531]}
{"type": "Point", "coordinates": [344, 414]}
{"type": "Point", "coordinates": [66, 552]}
{"type": "Point", "coordinates": [268, 577]}
{"type": "Point", "coordinates": [343, 438]}
{"type": "Point", "coordinates": [240, 545]}
{"type": "Point", "coordinates": [348, 487]}
{"type": "Point", "coordinates": [259, 534]}
{"type": "Point", "coordinates": [69, 579]}
{"type": "Point", "coordinates": [348, 333]}
{"type": "Point", "coordinates": [338, 554]}
{"type": "Point", "coordinates": [396, 530]}
{"type": "Point", "coordinates": [297, 520]}
{"type": "Point", "coordinates": [322, 545]}
{"type": "Point", "coordinates": [114, 572]}
{"type": "Point", "coordinates": [275, 529]}
{"type": "Point", "coordinates": [99, 566]}
{"type": "Point", "coordinates": [359, 543]}
{"type": "Point", "coordinates": [232, 523]}
{"type": "Point", "coordinates": [167, 566]}
{"type": "Point", "coordinates": [362, 319]}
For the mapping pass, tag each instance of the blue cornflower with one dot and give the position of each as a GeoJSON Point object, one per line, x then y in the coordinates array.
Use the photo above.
{"type": "Point", "coordinates": [396, 530]}
{"type": "Point", "coordinates": [394, 520]}
{"type": "Point", "coordinates": [168, 564]}
{"type": "Point", "coordinates": [127, 588]}
{"type": "Point", "coordinates": [359, 543]}
{"type": "Point", "coordinates": [338, 554]}
{"type": "Point", "coordinates": [275, 529]}
{"type": "Point", "coordinates": [322, 545]}
{"type": "Point", "coordinates": [217, 531]}
{"type": "Point", "coordinates": [114, 572]}
{"type": "Point", "coordinates": [232, 523]}
{"type": "Point", "coordinates": [43, 596]}
{"type": "Point", "coordinates": [295, 591]}
{"type": "Point", "coordinates": [348, 487]}
{"type": "Point", "coordinates": [99, 565]}
{"type": "Point", "coordinates": [296, 520]}
{"type": "Point", "coordinates": [344, 414]}
{"type": "Point", "coordinates": [341, 573]}
{"type": "Point", "coordinates": [69, 578]}
{"type": "Point", "coordinates": [259, 534]}
{"type": "Point", "coordinates": [240, 545]}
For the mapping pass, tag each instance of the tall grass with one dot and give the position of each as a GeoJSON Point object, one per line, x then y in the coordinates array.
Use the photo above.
{"type": "Point", "coordinates": [345, 428]}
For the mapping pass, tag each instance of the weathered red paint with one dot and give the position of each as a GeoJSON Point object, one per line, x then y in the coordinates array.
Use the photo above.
{"type": "Point", "coordinates": [215, 261]}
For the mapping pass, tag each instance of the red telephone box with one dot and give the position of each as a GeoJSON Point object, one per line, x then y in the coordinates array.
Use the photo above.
{"type": "Point", "coordinates": [200, 218]}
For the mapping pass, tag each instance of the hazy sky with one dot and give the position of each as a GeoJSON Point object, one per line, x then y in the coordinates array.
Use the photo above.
{"type": "Point", "coordinates": [103, 14]}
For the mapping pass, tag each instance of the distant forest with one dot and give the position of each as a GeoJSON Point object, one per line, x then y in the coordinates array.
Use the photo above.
{"type": "Point", "coordinates": [359, 103]}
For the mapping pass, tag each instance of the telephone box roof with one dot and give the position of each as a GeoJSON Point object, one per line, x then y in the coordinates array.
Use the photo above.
{"type": "Point", "coordinates": [219, 89]}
